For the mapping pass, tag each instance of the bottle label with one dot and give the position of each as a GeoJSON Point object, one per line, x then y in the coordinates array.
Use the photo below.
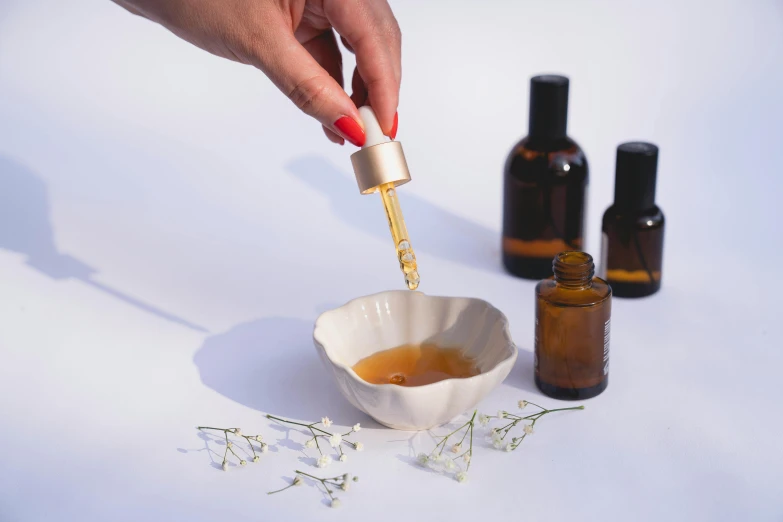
{"type": "Point", "coordinates": [604, 255]}
{"type": "Point", "coordinates": [606, 346]}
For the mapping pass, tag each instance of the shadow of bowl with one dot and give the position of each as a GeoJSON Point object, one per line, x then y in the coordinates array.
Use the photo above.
{"type": "Point", "coordinates": [270, 365]}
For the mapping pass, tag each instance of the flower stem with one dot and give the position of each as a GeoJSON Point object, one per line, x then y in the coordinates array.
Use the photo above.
{"type": "Point", "coordinates": [312, 425]}
{"type": "Point", "coordinates": [282, 489]}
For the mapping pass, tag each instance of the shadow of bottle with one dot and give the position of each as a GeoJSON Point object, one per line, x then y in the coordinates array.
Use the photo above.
{"type": "Point", "coordinates": [433, 230]}
{"type": "Point", "coordinates": [25, 227]}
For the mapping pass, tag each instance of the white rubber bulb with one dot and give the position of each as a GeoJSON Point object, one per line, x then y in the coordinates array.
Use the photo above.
{"type": "Point", "coordinates": [372, 129]}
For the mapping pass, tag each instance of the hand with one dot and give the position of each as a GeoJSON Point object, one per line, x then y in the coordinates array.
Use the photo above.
{"type": "Point", "coordinates": [293, 43]}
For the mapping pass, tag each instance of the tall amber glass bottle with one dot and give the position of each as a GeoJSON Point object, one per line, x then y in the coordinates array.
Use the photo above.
{"type": "Point", "coordinates": [573, 312]}
{"type": "Point", "coordinates": [545, 184]}
{"type": "Point", "coordinates": [632, 239]}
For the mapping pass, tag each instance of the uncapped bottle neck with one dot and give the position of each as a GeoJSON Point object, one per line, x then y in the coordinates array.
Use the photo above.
{"type": "Point", "coordinates": [573, 269]}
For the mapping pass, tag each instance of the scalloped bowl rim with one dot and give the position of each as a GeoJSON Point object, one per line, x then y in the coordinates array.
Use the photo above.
{"type": "Point", "coordinates": [511, 348]}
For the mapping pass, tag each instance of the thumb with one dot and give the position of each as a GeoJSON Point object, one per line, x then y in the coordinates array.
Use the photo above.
{"type": "Point", "coordinates": [299, 76]}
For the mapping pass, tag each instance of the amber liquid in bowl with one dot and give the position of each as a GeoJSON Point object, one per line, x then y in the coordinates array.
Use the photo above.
{"type": "Point", "coordinates": [415, 365]}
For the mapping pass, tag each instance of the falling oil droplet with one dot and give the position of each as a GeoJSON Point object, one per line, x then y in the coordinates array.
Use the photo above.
{"type": "Point", "coordinates": [412, 280]}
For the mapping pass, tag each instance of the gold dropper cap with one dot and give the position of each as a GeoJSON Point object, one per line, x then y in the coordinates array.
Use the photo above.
{"type": "Point", "coordinates": [378, 165]}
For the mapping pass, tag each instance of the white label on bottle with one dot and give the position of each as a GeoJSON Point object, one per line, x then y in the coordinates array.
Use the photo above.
{"type": "Point", "coordinates": [606, 346]}
{"type": "Point", "coordinates": [604, 255]}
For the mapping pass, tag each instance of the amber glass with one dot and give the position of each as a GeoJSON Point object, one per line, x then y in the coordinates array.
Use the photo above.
{"type": "Point", "coordinates": [632, 251]}
{"type": "Point", "coordinates": [573, 312]}
{"type": "Point", "coordinates": [545, 184]}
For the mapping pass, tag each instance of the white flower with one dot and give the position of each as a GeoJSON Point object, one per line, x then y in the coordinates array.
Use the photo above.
{"type": "Point", "coordinates": [466, 458]}
{"type": "Point", "coordinates": [242, 462]}
{"type": "Point", "coordinates": [297, 481]}
{"type": "Point", "coordinates": [422, 459]}
{"type": "Point", "coordinates": [346, 477]}
{"type": "Point", "coordinates": [528, 429]}
{"type": "Point", "coordinates": [335, 440]}
{"type": "Point", "coordinates": [497, 440]}
{"type": "Point", "coordinates": [461, 477]}
{"type": "Point", "coordinates": [323, 461]}
{"type": "Point", "coordinates": [335, 503]}
{"type": "Point", "coordinates": [237, 432]}
{"type": "Point", "coordinates": [310, 444]}
{"type": "Point", "coordinates": [359, 446]}
{"type": "Point", "coordinates": [450, 464]}
{"type": "Point", "coordinates": [256, 458]}
{"type": "Point", "coordinates": [456, 448]}
{"type": "Point", "coordinates": [437, 458]}
{"type": "Point", "coordinates": [264, 447]}
{"type": "Point", "coordinates": [343, 457]}
{"type": "Point", "coordinates": [501, 414]}
{"type": "Point", "coordinates": [483, 420]}
{"type": "Point", "coordinates": [508, 447]}
{"type": "Point", "coordinates": [357, 427]}
{"type": "Point", "coordinates": [522, 404]}
{"type": "Point", "coordinates": [493, 431]}
{"type": "Point", "coordinates": [225, 466]}
{"type": "Point", "coordinates": [229, 444]}
{"type": "Point", "coordinates": [345, 485]}
{"type": "Point", "coordinates": [258, 438]}
{"type": "Point", "coordinates": [326, 422]}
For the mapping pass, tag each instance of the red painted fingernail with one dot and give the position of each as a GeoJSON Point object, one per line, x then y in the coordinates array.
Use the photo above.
{"type": "Point", "coordinates": [350, 130]}
{"type": "Point", "coordinates": [393, 133]}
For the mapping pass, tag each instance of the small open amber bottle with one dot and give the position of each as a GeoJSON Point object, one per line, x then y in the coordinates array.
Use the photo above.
{"type": "Point", "coordinates": [573, 312]}
{"type": "Point", "coordinates": [632, 228]}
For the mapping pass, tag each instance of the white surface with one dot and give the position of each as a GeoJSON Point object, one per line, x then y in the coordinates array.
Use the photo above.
{"type": "Point", "coordinates": [366, 325]}
{"type": "Point", "coordinates": [372, 128]}
{"type": "Point", "coordinates": [171, 227]}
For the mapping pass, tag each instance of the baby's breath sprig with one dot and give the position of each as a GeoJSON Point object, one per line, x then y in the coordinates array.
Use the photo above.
{"type": "Point", "coordinates": [436, 459]}
{"type": "Point", "coordinates": [263, 448]}
{"type": "Point", "coordinates": [499, 434]}
{"type": "Point", "coordinates": [342, 482]}
{"type": "Point", "coordinates": [335, 440]}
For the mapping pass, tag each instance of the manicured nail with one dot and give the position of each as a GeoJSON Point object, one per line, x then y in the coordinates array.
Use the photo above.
{"type": "Point", "coordinates": [350, 130]}
{"type": "Point", "coordinates": [393, 133]}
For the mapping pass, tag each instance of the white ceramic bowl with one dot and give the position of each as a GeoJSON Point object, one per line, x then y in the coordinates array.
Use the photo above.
{"type": "Point", "coordinates": [366, 325]}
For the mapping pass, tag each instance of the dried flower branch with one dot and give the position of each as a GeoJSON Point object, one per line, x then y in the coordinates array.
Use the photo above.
{"type": "Point", "coordinates": [263, 448]}
{"type": "Point", "coordinates": [436, 460]}
{"type": "Point", "coordinates": [342, 482]}
{"type": "Point", "coordinates": [499, 434]}
{"type": "Point", "coordinates": [335, 440]}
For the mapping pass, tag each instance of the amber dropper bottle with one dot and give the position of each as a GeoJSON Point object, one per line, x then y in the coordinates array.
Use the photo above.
{"type": "Point", "coordinates": [632, 238]}
{"type": "Point", "coordinates": [380, 166]}
{"type": "Point", "coordinates": [573, 312]}
{"type": "Point", "coordinates": [545, 184]}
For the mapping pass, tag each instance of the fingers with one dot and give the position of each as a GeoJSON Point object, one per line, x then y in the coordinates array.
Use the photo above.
{"type": "Point", "coordinates": [334, 138]}
{"type": "Point", "coordinates": [370, 29]}
{"type": "Point", "coordinates": [358, 89]}
{"type": "Point", "coordinates": [323, 48]}
{"type": "Point", "coordinates": [311, 76]}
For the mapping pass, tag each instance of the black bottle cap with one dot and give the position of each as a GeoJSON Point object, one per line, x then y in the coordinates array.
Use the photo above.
{"type": "Point", "coordinates": [635, 173]}
{"type": "Point", "coordinates": [548, 106]}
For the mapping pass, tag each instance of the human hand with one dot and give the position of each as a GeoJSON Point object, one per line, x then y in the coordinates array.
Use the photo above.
{"type": "Point", "coordinates": [293, 43]}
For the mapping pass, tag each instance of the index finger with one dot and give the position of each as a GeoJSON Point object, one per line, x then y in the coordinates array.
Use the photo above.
{"type": "Point", "coordinates": [372, 32]}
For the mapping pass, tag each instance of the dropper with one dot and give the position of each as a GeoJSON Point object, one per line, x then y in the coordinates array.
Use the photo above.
{"type": "Point", "coordinates": [381, 167]}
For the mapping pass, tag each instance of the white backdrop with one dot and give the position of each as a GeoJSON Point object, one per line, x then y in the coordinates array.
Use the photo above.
{"type": "Point", "coordinates": [170, 227]}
